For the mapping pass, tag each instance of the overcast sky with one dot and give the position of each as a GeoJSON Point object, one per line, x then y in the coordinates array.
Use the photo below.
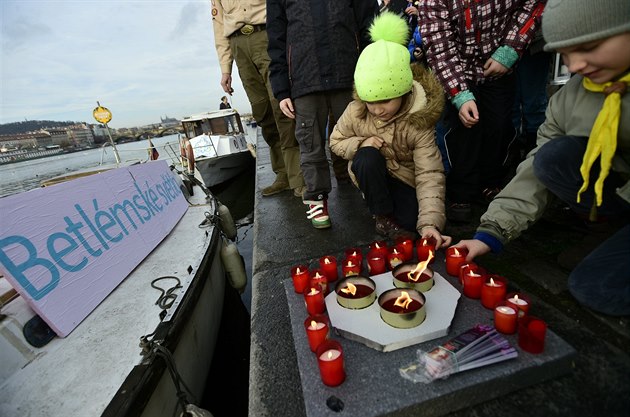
{"type": "Point", "coordinates": [141, 59]}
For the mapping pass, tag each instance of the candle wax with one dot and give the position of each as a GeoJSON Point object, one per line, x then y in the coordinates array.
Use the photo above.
{"type": "Point", "coordinates": [505, 319]}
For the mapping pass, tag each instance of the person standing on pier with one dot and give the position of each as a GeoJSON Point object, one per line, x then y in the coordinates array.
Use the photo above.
{"type": "Point", "coordinates": [228, 120]}
{"type": "Point", "coordinates": [240, 35]}
{"type": "Point", "coordinates": [314, 47]}
{"type": "Point", "coordinates": [583, 152]}
{"type": "Point", "coordinates": [389, 135]}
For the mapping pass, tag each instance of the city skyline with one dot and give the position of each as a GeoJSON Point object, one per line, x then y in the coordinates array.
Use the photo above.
{"type": "Point", "coordinates": [141, 59]}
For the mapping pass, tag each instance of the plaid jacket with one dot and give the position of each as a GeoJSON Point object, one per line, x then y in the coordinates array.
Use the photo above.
{"type": "Point", "coordinates": [460, 35]}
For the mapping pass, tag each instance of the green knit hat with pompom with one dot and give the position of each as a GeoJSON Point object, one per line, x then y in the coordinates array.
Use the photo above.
{"type": "Point", "coordinates": [383, 70]}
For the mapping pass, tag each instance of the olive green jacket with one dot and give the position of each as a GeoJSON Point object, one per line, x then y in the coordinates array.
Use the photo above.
{"type": "Point", "coordinates": [571, 112]}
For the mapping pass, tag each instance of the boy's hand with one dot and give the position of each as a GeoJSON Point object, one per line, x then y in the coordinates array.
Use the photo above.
{"type": "Point", "coordinates": [468, 114]}
{"type": "Point", "coordinates": [286, 106]}
{"type": "Point", "coordinates": [373, 141]}
{"type": "Point", "coordinates": [494, 68]}
{"type": "Point", "coordinates": [441, 241]}
{"type": "Point", "coordinates": [475, 248]}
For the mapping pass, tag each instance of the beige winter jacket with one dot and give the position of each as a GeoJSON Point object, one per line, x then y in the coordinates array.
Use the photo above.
{"type": "Point", "coordinates": [411, 152]}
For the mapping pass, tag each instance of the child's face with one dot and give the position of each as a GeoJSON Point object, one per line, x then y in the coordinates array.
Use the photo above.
{"type": "Point", "coordinates": [602, 60]}
{"type": "Point", "coordinates": [384, 110]}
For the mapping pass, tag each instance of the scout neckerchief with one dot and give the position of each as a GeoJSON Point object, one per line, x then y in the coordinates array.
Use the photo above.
{"type": "Point", "coordinates": [603, 138]}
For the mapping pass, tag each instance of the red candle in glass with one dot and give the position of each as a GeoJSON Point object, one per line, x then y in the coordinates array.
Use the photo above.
{"type": "Point", "coordinates": [423, 247]}
{"type": "Point", "coordinates": [531, 334]}
{"type": "Point", "coordinates": [379, 247]}
{"type": "Point", "coordinates": [318, 280]}
{"type": "Point", "coordinates": [406, 247]}
{"type": "Point", "coordinates": [505, 318]}
{"type": "Point", "coordinates": [350, 267]}
{"type": "Point", "coordinates": [316, 330]}
{"type": "Point", "coordinates": [376, 263]}
{"type": "Point", "coordinates": [300, 275]}
{"type": "Point", "coordinates": [314, 298]}
{"type": "Point", "coordinates": [519, 302]}
{"type": "Point", "coordinates": [330, 360]}
{"type": "Point", "coordinates": [473, 281]}
{"type": "Point", "coordinates": [455, 257]}
{"type": "Point", "coordinates": [354, 253]}
{"type": "Point", "coordinates": [395, 257]}
{"type": "Point", "coordinates": [328, 264]}
{"type": "Point", "coordinates": [493, 291]}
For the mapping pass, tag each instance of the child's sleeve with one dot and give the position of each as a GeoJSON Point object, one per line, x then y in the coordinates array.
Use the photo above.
{"type": "Point", "coordinates": [344, 141]}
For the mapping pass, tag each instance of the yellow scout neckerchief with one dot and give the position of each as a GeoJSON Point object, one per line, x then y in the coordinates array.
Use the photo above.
{"type": "Point", "coordinates": [603, 138]}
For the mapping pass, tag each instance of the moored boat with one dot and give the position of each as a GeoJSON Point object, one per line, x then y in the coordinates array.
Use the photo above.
{"type": "Point", "coordinates": [216, 146]}
{"type": "Point", "coordinates": [134, 333]}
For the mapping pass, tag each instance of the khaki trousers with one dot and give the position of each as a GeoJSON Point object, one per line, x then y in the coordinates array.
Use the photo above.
{"type": "Point", "coordinates": [252, 61]}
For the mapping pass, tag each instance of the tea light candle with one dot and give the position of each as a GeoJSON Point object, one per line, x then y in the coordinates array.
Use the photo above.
{"type": "Point", "coordinates": [455, 257]}
{"type": "Point", "coordinates": [316, 330]}
{"type": "Point", "coordinates": [519, 302]}
{"type": "Point", "coordinates": [531, 334]}
{"type": "Point", "coordinates": [300, 276]}
{"type": "Point", "coordinates": [330, 360]}
{"type": "Point", "coordinates": [472, 281]}
{"type": "Point", "coordinates": [505, 319]}
{"type": "Point", "coordinates": [319, 280]}
{"type": "Point", "coordinates": [406, 247]}
{"type": "Point", "coordinates": [379, 248]}
{"type": "Point", "coordinates": [493, 291]}
{"type": "Point", "coordinates": [395, 257]}
{"type": "Point", "coordinates": [314, 299]}
{"type": "Point", "coordinates": [350, 267]}
{"type": "Point", "coordinates": [423, 247]}
{"type": "Point", "coordinates": [354, 253]}
{"type": "Point", "coordinates": [328, 264]}
{"type": "Point", "coordinates": [376, 263]}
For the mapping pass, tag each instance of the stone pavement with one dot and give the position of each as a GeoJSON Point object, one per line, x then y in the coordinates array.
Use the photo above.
{"type": "Point", "coordinates": [594, 381]}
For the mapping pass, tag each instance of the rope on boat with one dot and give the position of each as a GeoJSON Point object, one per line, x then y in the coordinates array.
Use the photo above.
{"type": "Point", "coordinates": [167, 298]}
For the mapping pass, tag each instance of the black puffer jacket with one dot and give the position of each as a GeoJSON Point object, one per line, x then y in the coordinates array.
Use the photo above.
{"type": "Point", "coordinates": [314, 44]}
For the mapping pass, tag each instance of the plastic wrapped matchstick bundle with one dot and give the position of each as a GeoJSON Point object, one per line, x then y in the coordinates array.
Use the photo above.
{"type": "Point", "coordinates": [476, 347]}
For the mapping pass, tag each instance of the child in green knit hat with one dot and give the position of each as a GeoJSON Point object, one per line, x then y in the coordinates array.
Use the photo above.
{"type": "Point", "coordinates": [388, 135]}
{"type": "Point", "coordinates": [583, 155]}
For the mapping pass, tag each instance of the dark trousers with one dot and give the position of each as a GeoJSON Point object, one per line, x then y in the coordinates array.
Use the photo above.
{"type": "Point", "coordinates": [384, 194]}
{"type": "Point", "coordinates": [311, 120]}
{"type": "Point", "coordinates": [602, 280]}
{"type": "Point", "coordinates": [477, 155]}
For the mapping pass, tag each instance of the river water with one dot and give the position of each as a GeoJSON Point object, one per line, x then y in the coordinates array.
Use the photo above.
{"type": "Point", "coordinates": [27, 175]}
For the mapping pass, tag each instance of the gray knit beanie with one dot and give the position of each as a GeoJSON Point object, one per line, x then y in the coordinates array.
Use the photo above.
{"type": "Point", "coordinates": [571, 22]}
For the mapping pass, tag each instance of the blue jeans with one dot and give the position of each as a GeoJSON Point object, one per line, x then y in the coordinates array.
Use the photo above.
{"type": "Point", "coordinates": [384, 194]}
{"type": "Point", "coordinates": [602, 280]}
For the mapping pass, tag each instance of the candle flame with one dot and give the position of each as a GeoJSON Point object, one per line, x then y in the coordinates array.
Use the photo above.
{"type": "Point", "coordinates": [327, 261]}
{"type": "Point", "coordinates": [317, 275]}
{"type": "Point", "coordinates": [313, 291]}
{"type": "Point", "coordinates": [404, 300]}
{"type": "Point", "coordinates": [329, 355]}
{"type": "Point", "coordinates": [395, 251]}
{"type": "Point", "coordinates": [377, 245]}
{"type": "Point", "coordinates": [492, 282]}
{"type": "Point", "coordinates": [350, 289]}
{"type": "Point", "coordinates": [297, 271]}
{"type": "Point", "coordinates": [354, 253]}
{"type": "Point", "coordinates": [425, 242]}
{"type": "Point", "coordinates": [313, 324]}
{"type": "Point", "coordinates": [422, 266]}
{"type": "Point", "coordinates": [456, 253]}
{"type": "Point", "coordinates": [350, 264]}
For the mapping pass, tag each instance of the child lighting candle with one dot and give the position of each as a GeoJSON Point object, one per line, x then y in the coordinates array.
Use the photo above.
{"type": "Point", "coordinates": [330, 360]}
{"type": "Point", "coordinates": [316, 330]}
{"type": "Point", "coordinates": [518, 302]}
{"type": "Point", "coordinates": [314, 298]}
{"type": "Point", "coordinates": [455, 257]}
{"type": "Point", "coordinates": [406, 247]}
{"type": "Point", "coordinates": [505, 319]}
{"type": "Point", "coordinates": [493, 291]}
{"type": "Point", "coordinates": [423, 247]}
{"type": "Point", "coordinates": [328, 264]}
{"type": "Point", "coordinates": [300, 276]}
